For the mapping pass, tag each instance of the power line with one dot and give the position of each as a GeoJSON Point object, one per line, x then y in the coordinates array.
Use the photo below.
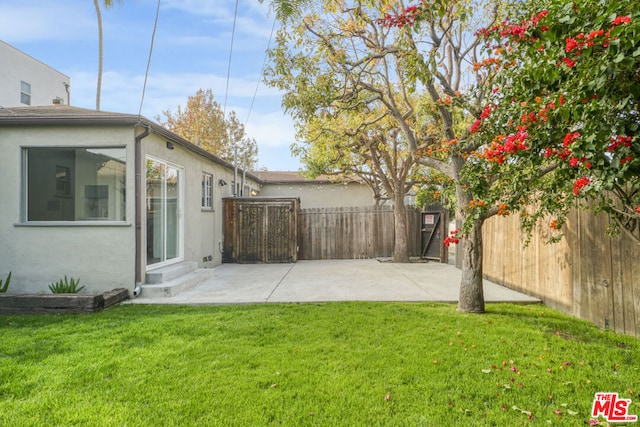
{"type": "Point", "coordinates": [264, 63]}
{"type": "Point", "coordinates": [233, 32]}
{"type": "Point", "coordinates": [146, 74]}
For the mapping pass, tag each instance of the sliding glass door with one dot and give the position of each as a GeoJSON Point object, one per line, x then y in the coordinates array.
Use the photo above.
{"type": "Point", "coordinates": [164, 207]}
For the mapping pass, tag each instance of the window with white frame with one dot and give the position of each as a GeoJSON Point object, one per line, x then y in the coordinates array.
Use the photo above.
{"type": "Point", "coordinates": [207, 191]}
{"type": "Point", "coordinates": [25, 93]}
{"type": "Point", "coordinates": [74, 184]}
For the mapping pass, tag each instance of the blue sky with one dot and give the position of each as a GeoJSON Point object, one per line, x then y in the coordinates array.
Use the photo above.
{"type": "Point", "coordinates": [191, 51]}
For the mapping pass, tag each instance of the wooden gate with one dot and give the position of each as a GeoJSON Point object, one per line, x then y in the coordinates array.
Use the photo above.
{"type": "Point", "coordinates": [433, 231]}
{"type": "Point", "coordinates": [260, 230]}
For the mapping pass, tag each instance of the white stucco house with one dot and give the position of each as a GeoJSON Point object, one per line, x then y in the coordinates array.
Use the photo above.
{"type": "Point", "coordinates": [26, 81]}
{"type": "Point", "coordinates": [321, 192]}
{"type": "Point", "coordinates": [109, 198]}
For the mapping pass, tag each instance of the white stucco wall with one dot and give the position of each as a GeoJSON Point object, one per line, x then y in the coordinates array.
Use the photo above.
{"type": "Point", "coordinates": [203, 228]}
{"type": "Point", "coordinates": [102, 257]}
{"type": "Point", "coordinates": [16, 66]}
{"type": "Point", "coordinates": [322, 195]}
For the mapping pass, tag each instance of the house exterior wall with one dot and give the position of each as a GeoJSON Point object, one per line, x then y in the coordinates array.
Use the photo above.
{"type": "Point", "coordinates": [102, 257]}
{"type": "Point", "coordinates": [101, 254]}
{"type": "Point", "coordinates": [46, 83]}
{"type": "Point", "coordinates": [322, 194]}
{"type": "Point", "coordinates": [203, 228]}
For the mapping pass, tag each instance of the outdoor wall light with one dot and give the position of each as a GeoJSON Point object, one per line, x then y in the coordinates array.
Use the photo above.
{"type": "Point", "coordinates": [222, 182]}
{"type": "Point", "coordinates": [170, 145]}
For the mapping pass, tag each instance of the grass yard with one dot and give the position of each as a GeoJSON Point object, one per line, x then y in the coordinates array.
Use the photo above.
{"type": "Point", "coordinates": [335, 364]}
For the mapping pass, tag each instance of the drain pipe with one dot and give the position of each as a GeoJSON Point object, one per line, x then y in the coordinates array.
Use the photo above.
{"type": "Point", "coordinates": [138, 207]}
{"type": "Point", "coordinates": [244, 172]}
{"type": "Point", "coordinates": [235, 172]}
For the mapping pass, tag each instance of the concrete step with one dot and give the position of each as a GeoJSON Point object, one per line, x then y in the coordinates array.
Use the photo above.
{"type": "Point", "coordinates": [176, 285]}
{"type": "Point", "coordinates": [166, 274]}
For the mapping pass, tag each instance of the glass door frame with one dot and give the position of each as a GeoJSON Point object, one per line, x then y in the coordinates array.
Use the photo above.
{"type": "Point", "coordinates": [180, 213]}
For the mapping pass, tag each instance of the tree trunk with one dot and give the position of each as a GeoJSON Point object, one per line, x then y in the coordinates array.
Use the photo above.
{"type": "Point", "coordinates": [401, 245]}
{"type": "Point", "coordinates": [471, 299]}
{"type": "Point", "coordinates": [100, 54]}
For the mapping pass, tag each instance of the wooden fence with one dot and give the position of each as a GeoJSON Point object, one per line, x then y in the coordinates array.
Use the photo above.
{"type": "Point", "coordinates": [353, 233]}
{"type": "Point", "coordinates": [588, 274]}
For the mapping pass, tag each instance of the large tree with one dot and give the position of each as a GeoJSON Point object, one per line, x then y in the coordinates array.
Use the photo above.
{"type": "Point", "coordinates": [338, 55]}
{"type": "Point", "coordinates": [203, 123]}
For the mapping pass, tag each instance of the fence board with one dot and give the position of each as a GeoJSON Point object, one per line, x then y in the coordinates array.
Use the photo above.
{"type": "Point", "coordinates": [353, 233]}
{"type": "Point", "coordinates": [588, 274]}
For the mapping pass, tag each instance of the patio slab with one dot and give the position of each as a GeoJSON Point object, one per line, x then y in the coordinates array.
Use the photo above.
{"type": "Point", "coordinates": [332, 280]}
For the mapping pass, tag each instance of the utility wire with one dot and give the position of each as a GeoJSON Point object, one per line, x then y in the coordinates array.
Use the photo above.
{"type": "Point", "coordinates": [264, 63]}
{"type": "Point", "coordinates": [233, 32]}
{"type": "Point", "coordinates": [146, 74]}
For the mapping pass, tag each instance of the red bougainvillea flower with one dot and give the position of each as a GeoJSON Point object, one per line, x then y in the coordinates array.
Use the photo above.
{"type": "Point", "coordinates": [568, 62]}
{"type": "Point", "coordinates": [579, 184]}
{"type": "Point", "coordinates": [475, 126]}
{"type": "Point", "coordinates": [452, 238]}
{"type": "Point", "coordinates": [486, 111]}
{"type": "Point", "coordinates": [571, 44]}
{"type": "Point", "coordinates": [626, 159]}
{"type": "Point", "coordinates": [621, 20]}
{"type": "Point", "coordinates": [619, 141]}
{"type": "Point", "coordinates": [637, 209]}
{"type": "Point", "coordinates": [570, 138]}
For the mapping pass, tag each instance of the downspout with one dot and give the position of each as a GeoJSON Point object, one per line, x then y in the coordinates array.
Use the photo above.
{"type": "Point", "coordinates": [235, 172]}
{"type": "Point", "coordinates": [138, 205]}
{"type": "Point", "coordinates": [244, 173]}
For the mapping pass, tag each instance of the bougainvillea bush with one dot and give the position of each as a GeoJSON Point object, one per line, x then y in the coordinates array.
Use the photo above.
{"type": "Point", "coordinates": [565, 88]}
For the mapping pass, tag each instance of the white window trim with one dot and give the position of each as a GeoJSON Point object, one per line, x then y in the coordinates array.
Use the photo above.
{"type": "Point", "coordinates": [207, 197]}
{"type": "Point", "coordinates": [24, 193]}
{"type": "Point", "coordinates": [181, 189]}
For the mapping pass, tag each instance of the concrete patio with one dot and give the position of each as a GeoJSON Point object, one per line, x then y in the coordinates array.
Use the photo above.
{"type": "Point", "coordinates": [334, 280]}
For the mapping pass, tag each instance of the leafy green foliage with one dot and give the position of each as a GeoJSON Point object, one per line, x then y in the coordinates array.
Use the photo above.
{"type": "Point", "coordinates": [337, 364]}
{"type": "Point", "coordinates": [566, 76]}
{"type": "Point", "coordinates": [66, 286]}
{"type": "Point", "coordinates": [436, 188]}
{"type": "Point", "coordinates": [5, 285]}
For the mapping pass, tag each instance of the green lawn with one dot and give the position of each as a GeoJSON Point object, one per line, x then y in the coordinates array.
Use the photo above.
{"type": "Point", "coordinates": [336, 364]}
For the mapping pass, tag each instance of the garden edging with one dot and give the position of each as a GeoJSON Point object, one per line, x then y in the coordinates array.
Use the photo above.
{"type": "Point", "coordinates": [60, 303]}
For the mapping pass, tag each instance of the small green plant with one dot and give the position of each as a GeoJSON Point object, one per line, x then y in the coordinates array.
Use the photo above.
{"type": "Point", "coordinates": [66, 286]}
{"type": "Point", "coordinates": [4, 286]}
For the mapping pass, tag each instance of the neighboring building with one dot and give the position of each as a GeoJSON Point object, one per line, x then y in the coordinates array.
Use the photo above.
{"type": "Point", "coordinates": [321, 192]}
{"type": "Point", "coordinates": [105, 197]}
{"type": "Point", "coordinates": [26, 81]}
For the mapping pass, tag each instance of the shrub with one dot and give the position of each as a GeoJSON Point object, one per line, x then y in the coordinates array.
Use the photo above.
{"type": "Point", "coordinates": [66, 286]}
{"type": "Point", "coordinates": [4, 286]}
